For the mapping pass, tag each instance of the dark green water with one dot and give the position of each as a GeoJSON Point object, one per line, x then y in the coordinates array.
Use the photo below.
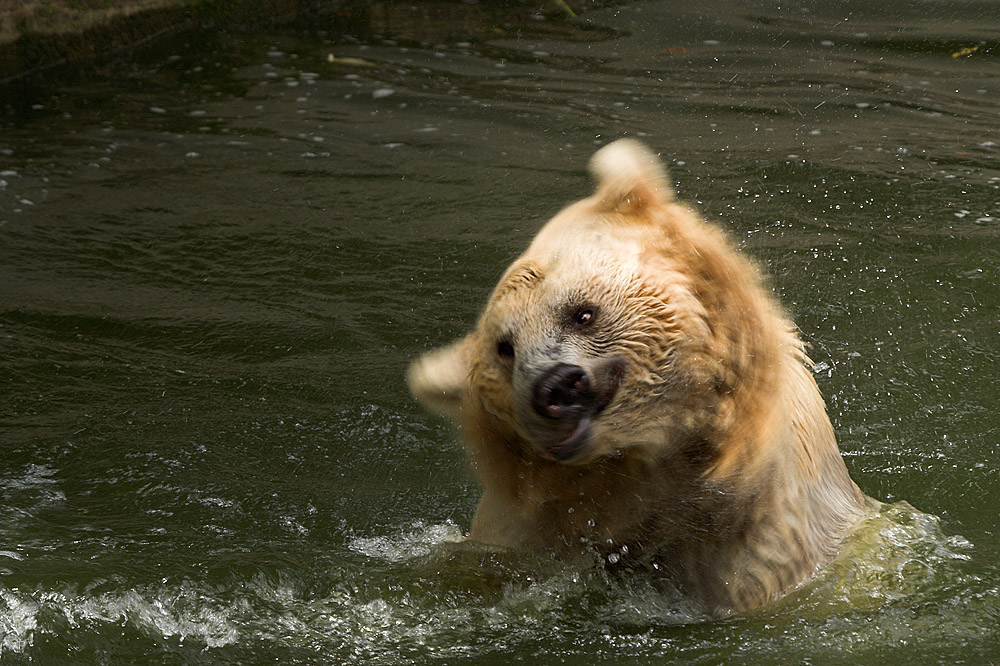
{"type": "Point", "coordinates": [220, 252]}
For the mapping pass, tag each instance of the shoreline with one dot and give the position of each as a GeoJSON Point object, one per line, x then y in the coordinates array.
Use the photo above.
{"type": "Point", "coordinates": [36, 34]}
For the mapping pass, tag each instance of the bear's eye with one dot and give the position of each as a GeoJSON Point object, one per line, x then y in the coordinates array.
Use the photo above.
{"type": "Point", "coordinates": [584, 317]}
{"type": "Point", "coordinates": [505, 349]}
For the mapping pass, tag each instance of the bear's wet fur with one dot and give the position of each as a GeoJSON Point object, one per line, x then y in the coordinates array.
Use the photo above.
{"type": "Point", "coordinates": [632, 387]}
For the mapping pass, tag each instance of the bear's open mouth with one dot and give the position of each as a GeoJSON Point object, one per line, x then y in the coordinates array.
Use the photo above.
{"type": "Point", "coordinates": [577, 426]}
{"type": "Point", "coordinates": [577, 441]}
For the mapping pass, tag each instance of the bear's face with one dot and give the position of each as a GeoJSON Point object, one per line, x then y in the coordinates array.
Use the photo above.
{"type": "Point", "coordinates": [608, 333]}
{"type": "Point", "coordinates": [590, 343]}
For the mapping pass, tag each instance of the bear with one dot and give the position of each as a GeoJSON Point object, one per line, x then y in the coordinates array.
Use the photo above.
{"type": "Point", "coordinates": [632, 390]}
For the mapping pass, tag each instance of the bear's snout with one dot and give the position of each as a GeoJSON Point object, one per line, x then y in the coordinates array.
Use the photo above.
{"type": "Point", "coordinates": [564, 391]}
{"type": "Point", "coordinates": [569, 399]}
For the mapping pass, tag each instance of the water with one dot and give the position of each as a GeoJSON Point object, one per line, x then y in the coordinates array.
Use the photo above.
{"type": "Point", "coordinates": [219, 253]}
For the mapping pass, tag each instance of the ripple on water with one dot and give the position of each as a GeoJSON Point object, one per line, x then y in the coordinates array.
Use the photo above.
{"type": "Point", "coordinates": [420, 593]}
{"type": "Point", "coordinates": [167, 612]}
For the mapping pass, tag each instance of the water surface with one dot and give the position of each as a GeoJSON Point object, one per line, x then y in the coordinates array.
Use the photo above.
{"type": "Point", "coordinates": [220, 251]}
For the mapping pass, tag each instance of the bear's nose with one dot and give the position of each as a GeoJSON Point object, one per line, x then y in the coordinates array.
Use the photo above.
{"type": "Point", "coordinates": [563, 391]}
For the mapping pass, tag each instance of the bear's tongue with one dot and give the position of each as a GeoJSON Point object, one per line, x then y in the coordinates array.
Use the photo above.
{"type": "Point", "coordinates": [570, 446]}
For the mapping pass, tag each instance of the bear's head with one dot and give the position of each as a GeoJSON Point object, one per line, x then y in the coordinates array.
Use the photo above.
{"type": "Point", "coordinates": [628, 325]}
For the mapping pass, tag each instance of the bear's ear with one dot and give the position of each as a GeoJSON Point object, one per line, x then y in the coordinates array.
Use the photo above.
{"type": "Point", "coordinates": [630, 177]}
{"type": "Point", "coordinates": [440, 378]}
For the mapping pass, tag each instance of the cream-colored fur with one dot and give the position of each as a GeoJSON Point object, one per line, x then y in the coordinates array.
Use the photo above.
{"type": "Point", "coordinates": [631, 388]}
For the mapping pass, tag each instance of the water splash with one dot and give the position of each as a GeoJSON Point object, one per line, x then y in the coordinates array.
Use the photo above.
{"type": "Point", "coordinates": [420, 594]}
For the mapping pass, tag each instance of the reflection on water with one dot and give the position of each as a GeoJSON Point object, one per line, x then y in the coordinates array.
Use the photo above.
{"type": "Point", "coordinates": [220, 251]}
